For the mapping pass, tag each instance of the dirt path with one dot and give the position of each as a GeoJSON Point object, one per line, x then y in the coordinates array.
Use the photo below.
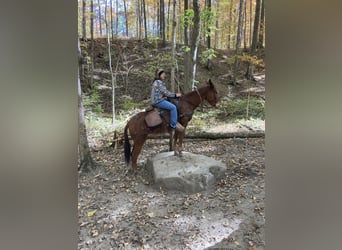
{"type": "Point", "coordinates": [118, 211]}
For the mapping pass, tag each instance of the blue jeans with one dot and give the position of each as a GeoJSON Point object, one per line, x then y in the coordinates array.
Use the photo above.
{"type": "Point", "coordinates": [173, 111]}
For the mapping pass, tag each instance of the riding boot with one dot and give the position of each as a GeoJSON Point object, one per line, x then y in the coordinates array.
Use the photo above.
{"type": "Point", "coordinates": [179, 128]}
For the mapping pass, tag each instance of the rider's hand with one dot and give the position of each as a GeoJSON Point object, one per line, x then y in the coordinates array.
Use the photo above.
{"type": "Point", "coordinates": [178, 94]}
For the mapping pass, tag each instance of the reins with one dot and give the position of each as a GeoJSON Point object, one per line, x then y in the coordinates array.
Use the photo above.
{"type": "Point", "coordinates": [199, 95]}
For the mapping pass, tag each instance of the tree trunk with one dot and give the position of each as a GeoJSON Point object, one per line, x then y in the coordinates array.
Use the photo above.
{"type": "Point", "coordinates": [262, 26]}
{"type": "Point", "coordinates": [230, 24]}
{"type": "Point", "coordinates": [174, 23]}
{"type": "Point", "coordinates": [100, 21]}
{"type": "Point", "coordinates": [250, 67]}
{"type": "Point", "coordinates": [238, 41]}
{"type": "Point", "coordinates": [245, 26]}
{"type": "Point", "coordinates": [187, 61]}
{"type": "Point", "coordinates": [92, 43]}
{"type": "Point", "coordinates": [145, 25]}
{"type": "Point", "coordinates": [126, 17]}
{"type": "Point", "coordinates": [217, 39]}
{"type": "Point", "coordinates": [250, 22]}
{"type": "Point", "coordinates": [84, 31]}
{"type": "Point", "coordinates": [117, 17]}
{"type": "Point", "coordinates": [86, 162]}
{"type": "Point", "coordinates": [111, 19]}
{"type": "Point", "coordinates": [168, 21]}
{"type": "Point", "coordinates": [195, 40]}
{"type": "Point", "coordinates": [162, 22]}
{"type": "Point", "coordinates": [209, 38]}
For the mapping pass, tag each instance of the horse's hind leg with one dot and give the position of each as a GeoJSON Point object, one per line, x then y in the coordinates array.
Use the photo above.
{"type": "Point", "coordinates": [138, 144]}
{"type": "Point", "coordinates": [175, 146]}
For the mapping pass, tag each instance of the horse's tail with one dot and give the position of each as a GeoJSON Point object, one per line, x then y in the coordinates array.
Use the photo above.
{"type": "Point", "coordinates": [127, 146]}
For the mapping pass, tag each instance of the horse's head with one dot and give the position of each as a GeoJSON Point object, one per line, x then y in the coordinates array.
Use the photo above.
{"type": "Point", "coordinates": [211, 95]}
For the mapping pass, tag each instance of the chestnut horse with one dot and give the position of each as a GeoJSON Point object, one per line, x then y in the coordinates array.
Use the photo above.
{"type": "Point", "coordinates": [187, 105]}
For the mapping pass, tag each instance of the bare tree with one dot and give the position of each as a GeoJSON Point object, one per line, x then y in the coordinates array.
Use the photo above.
{"type": "Point", "coordinates": [187, 61]}
{"type": "Point", "coordinates": [145, 25]}
{"type": "Point", "coordinates": [100, 18]}
{"type": "Point", "coordinates": [250, 67]}
{"type": "Point", "coordinates": [238, 40]}
{"type": "Point", "coordinates": [262, 26]}
{"type": "Point", "coordinates": [174, 23]}
{"type": "Point", "coordinates": [126, 17]}
{"type": "Point", "coordinates": [230, 23]}
{"type": "Point", "coordinates": [92, 43]}
{"type": "Point", "coordinates": [111, 19]}
{"type": "Point", "coordinates": [84, 31]}
{"type": "Point", "coordinates": [162, 21]}
{"type": "Point", "coordinates": [86, 162]}
{"type": "Point", "coordinates": [195, 40]}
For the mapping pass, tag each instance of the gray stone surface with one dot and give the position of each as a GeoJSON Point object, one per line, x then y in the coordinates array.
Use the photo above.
{"type": "Point", "coordinates": [189, 173]}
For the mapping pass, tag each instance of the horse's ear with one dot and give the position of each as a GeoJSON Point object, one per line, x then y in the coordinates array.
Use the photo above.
{"type": "Point", "coordinates": [210, 83]}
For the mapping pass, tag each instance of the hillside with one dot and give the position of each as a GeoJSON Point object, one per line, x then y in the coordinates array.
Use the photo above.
{"type": "Point", "coordinates": [135, 62]}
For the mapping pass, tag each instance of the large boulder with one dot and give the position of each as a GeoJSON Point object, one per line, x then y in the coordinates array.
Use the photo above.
{"type": "Point", "coordinates": [189, 173]}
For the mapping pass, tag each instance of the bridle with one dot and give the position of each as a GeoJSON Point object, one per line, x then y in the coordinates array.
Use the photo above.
{"type": "Point", "coordinates": [199, 95]}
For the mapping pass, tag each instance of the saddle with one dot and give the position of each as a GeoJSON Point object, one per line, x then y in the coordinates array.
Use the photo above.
{"type": "Point", "coordinates": [154, 115]}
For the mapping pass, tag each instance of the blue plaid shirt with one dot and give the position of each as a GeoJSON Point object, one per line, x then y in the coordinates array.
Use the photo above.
{"type": "Point", "coordinates": [159, 92]}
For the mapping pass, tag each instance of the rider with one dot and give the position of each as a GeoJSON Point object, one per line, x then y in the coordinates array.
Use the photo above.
{"type": "Point", "coordinates": [159, 94]}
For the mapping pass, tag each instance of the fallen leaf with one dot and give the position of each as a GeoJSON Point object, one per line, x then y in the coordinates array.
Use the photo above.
{"type": "Point", "coordinates": [91, 213]}
{"type": "Point", "coordinates": [151, 215]}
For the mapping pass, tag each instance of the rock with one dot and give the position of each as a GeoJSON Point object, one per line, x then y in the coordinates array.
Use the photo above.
{"type": "Point", "coordinates": [189, 173]}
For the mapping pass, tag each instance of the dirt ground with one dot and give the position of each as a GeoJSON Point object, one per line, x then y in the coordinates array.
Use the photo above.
{"type": "Point", "coordinates": [121, 211]}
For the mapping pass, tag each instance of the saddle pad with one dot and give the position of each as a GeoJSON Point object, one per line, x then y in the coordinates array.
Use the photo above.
{"type": "Point", "coordinates": [153, 118]}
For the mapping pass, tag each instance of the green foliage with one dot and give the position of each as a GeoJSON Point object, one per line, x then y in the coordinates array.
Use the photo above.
{"type": "Point", "coordinates": [208, 17]}
{"type": "Point", "coordinates": [237, 108]}
{"type": "Point", "coordinates": [186, 48]}
{"type": "Point", "coordinates": [206, 55]}
{"type": "Point", "coordinates": [92, 101]}
{"type": "Point", "coordinates": [188, 17]}
{"type": "Point", "coordinates": [129, 104]}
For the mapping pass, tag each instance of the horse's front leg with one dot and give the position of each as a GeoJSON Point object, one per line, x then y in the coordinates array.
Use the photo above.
{"type": "Point", "coordinates": [180, 142]}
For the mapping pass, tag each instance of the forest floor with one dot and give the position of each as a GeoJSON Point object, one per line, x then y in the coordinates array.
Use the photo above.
{"type": "Point", "coordinates": [118, 210]}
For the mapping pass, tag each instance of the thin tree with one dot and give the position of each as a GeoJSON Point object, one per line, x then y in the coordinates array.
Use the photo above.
{"type": "Point", "coordinates": [126, 17]}
{"type": "Point", "coordinates": [262, 26]}
{"type": "Point", "coordinates": [117, 17]}
{"type": "Point", "coordinates": [230, 23]}
{"type": "Point", "coordinates": [168, 21]}
{"type": "Point", "coordinates": [187, 61]}
{"type": "Point", "coordinates": [111, 19]}
{"type": "Point", "coordinates": [100, 21]}
{"type": "Point", "coordinates": [86, 162]}
{"type": "Point", "coordinates": [92, 43]}
{"type": "Point", "coordinates": [250, 67]}
{"type": "Point", "coordinates": [162, 21]}
{"type": "Point", "coordinates": [195, 40]}
{"type": "Point", "coordinates": [208, 31]}
{"type": "Point", "coordinates": [84, 31]}
{"type": "Point", "coordinates": [145, 25]}
{"type": "Point", "coordinates": [174, 24]}
{"type": "Point", "coordinates": [250, 22]}
{"type": "Point", "coordinates": [217, 25]}
{"type": "Point", "coordinates": [110, 69]}
{"type": "Point", "coordinates": [238, 40]}
{"type": "Point", "coordinates": [245, 26]}
{"type": "Point", "coordinates": [173, 67]}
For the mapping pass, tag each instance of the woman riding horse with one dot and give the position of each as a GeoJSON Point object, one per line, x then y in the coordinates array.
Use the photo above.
{"type": "Point", "coordinates": [139, 130]}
